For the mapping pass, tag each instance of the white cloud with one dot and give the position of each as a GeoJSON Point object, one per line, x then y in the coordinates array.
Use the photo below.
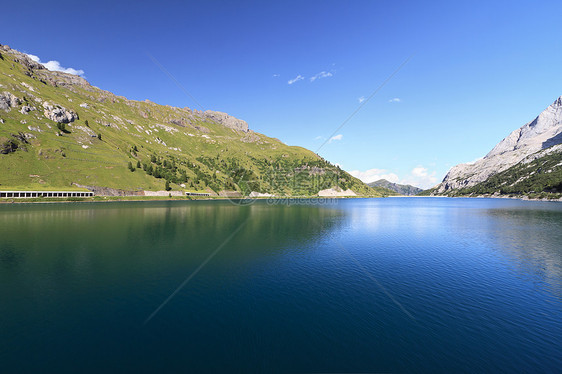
{"type": "Point", "coordinates": [336, 137]}
{"type": "Point", "coordinates": [372, 175]}
{"type": "Point", "coordinates": [419, 171]}
{"type": "Point", "coordinates": [418, 177]}
{"type": "Point", "coordinates": [421, 177]}
{"type": "Point", "coordinates": [361, 99]}
{"type": "Point", "coordinates": [296, 79]}
{"type": "Point", "coordinates": [322, 74]}
{"type": "Point", "coordinates": [56, 66]}
{"type": "Point", "coordinates": [275, 75]}
{"type": "Point", "coordinates": [319, 137]}
{"type": "Point", "coordinates": [395, 100]}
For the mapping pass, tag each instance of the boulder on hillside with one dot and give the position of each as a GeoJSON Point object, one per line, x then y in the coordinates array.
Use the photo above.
{"type": "Point", "coordinates": [8, 100]}
{"type": "Point", "coordinates": [26, 109]}
{"type": "Point", "coordinates": [8, 146]}
{"type": "Point", "coordinates": [59, 114]}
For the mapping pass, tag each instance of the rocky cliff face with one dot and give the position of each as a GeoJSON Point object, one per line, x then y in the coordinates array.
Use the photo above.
{"type": "Point", "coordinates": [226, 120]}
{"type": "Point", "coordinates": [37, 70]}
{"type": "Point", "coordinates": [543, 132]}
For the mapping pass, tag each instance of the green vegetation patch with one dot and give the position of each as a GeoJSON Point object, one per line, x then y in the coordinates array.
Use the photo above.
{"type": "Point", "coordinates": [109, 141]}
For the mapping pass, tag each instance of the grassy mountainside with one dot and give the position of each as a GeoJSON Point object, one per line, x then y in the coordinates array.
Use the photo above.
{"type": "Point", "coordinates": [400, 189]}
{"type": "Point", "coordinates": [540, 177]}
{"type": "Point", "coordinates": [58, 131]}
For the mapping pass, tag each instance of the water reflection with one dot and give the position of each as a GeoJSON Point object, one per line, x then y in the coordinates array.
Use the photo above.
{"type": "Point", "coordinates": [282, 296]}
{"type": "Point", "coordinates": [84, 238]}
{"type": "Point", "coordinates": [532, 239]}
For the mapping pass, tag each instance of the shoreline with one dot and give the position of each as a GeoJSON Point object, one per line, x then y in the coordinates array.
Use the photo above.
{"type": "Point", "coordinates": [522, 198]}
{"type": "Point", "coordinates": [109, 199]}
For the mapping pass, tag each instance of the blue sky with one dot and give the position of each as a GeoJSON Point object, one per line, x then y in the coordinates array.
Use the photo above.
{"type": "Point", "coordinates": [478, 70]}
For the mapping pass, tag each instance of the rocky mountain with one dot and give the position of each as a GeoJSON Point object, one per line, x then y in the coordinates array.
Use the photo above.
{"type": "Point", "coordinates": [519, 159]}
{"type": "Point", "coordinates": [401, 189]}
{"type": "Point", "coordinates": [58, 131]}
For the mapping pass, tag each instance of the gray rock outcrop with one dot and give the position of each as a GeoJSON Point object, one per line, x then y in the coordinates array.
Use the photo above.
{"type": "Point", "coordinates": [8, 100]}
{"type": "Point", "coordinates": [26, 109]}
{"type": "Point", "coordinates": [226, 120]}
{"type": "Point", "coordinates": [88, 131]}
{"type": "Point", "coordinates": [60, 79]}
{"type": "Point", "coordinates": [22, 58]}
{"type": "Point", "coordinates": [51, 77]}
{"type": "Point", "coordinates": [543, 132]}
{"type": "Point", "coordinates": [58, 113]}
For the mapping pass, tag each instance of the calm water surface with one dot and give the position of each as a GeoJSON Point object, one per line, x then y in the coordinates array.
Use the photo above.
{"type": "Point", "coordinates": [359, 285]}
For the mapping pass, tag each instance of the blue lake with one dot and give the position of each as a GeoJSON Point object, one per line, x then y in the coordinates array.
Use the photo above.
{"type": "Point", "coordinates": [356, 285]}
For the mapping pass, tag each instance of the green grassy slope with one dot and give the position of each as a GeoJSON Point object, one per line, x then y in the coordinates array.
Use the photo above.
{"type": "Point", "coordinates": [169, 144]}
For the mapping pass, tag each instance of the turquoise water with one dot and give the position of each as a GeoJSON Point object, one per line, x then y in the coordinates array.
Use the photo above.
{"type": "Point", "coordinates": [359, 285]}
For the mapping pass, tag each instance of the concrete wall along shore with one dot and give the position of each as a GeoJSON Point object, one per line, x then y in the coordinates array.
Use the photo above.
{"type": "Point", "coordinates": [30, 194]}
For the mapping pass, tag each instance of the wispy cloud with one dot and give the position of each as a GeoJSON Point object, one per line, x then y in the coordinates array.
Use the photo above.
{"type": "Point", "coordinates": [319, 137]}
{"type": "Point", "coordinates": [56, 66]}
{"type": "Point", "coordinates": [336, 137]}
{"type": "Point", "coordinates": [322, 74]}
{"type": "Point", "coordinates": [296, 79]}
{"type": "Point", "coordinates": [275, 75]}
{"type": "Point", "coordinates": [369, 98]}
{"type": "Point", "coordinates": [361, 99]}
{"type": "Point", "coordinates": [395, 100]}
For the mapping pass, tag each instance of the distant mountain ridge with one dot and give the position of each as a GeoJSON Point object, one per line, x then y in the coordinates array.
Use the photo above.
{"type": "Point", "coordinates": [402, 189]}
{"type": "Point", "coordinates": [525, 162]}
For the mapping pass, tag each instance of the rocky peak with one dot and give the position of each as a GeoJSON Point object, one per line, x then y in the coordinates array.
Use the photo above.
{"type": "Point", "coordinates": [54, 78]}
{"type": "Point", "coordinates": [226, 120]}
{"type": "Point", "coordinates": [541, 133]}
{"type": "Point", "coordinates": [58, 78]}
{"type": "Point", "coordinates": [22, 58]}
{"type": "Point", "coordinates": [535, 135]}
